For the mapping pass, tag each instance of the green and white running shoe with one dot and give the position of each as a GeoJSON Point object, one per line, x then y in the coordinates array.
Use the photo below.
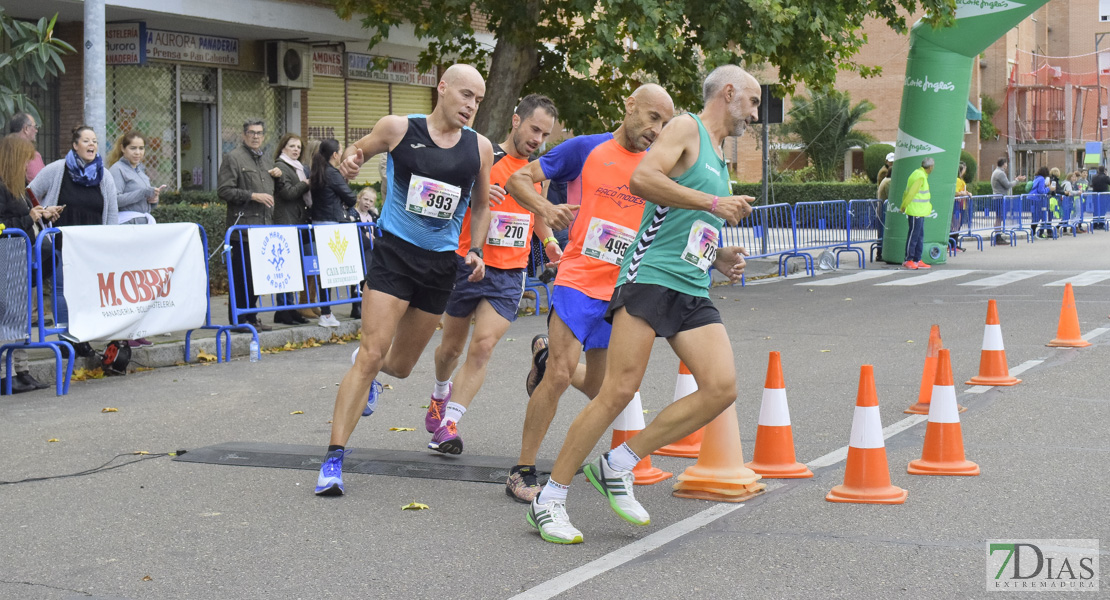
{"type": "Point", "coordinates": [617, 487]}
{"type": "Point", "coordinates": [552, 522]}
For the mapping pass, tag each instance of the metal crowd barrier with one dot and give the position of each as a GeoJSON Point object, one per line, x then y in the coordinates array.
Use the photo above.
{"type": "Point", "coordinates": [33, 277]}
{"type": "Point", "coordinates": [306, 253]}
{"type": "Point", "coordinates": [823, 224]}
{"type": "Point", "coordinates": [865, 224]}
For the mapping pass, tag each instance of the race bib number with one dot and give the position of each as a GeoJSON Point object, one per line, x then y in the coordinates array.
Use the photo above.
{"type": "Point", "coordinates": [701, 246]}
{"type": "Point", "coordinates": [508, 230]}
{"type": "Point", "coordinates": [607, 241]}
{"type": "Point", "coordinates": [432, 198]}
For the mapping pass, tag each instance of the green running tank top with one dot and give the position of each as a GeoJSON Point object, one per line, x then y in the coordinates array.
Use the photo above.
{"type": "Point", "coordinates": [676, 246]}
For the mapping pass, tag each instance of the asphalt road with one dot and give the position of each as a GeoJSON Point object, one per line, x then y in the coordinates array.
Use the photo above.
{"type": "Point", "coordinates": [165, 529]}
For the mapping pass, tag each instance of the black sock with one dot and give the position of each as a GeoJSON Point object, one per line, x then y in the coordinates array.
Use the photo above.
{"type": "Point", "coordinates": [520, 468]}
{"type": "Point", "coordinates": [334, 447]}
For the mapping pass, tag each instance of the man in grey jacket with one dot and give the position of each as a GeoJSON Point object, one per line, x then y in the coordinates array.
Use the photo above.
{"type": "Point", "coordinates": [246, 183]}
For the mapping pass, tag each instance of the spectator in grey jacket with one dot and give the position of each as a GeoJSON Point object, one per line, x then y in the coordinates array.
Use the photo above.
{"type": "Point", "coordinates": [136, 195]}
{"type": "Point", "coordinates": [246, 183]}
{"type": "Point", "coordinates": [1000, 181]}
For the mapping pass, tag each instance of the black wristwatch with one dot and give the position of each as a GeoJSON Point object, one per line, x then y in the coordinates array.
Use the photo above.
{"type": "Point", "coordinates": [476, 250]}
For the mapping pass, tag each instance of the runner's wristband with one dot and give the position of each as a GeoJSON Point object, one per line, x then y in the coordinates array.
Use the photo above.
{"type": "Point", "coordinates": [714, 207]}
{"type": "Point", "coordinates": [550, 240]}
{"type": "Point", "coordinates": [475, 250]}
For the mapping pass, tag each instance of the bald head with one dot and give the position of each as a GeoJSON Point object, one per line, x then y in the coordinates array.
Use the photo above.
{"type": "Point", "coordinates": [724, 75]}
{"type": "Point", "coordinates": [646, 111]}
{"type": "Point", "coordinates": [460, 91]}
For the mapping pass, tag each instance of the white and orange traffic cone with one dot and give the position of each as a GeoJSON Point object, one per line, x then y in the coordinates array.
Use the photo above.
{"type": "Point", "coordinates": [689, 446]}
{"type": "Point", "coordinates": [720, 474]}
{"type": "Point", "coordinates": [993, 369]}
{"type": "Point", "coordinates": [866, 474]}
{"type": "Point", "coordinates": [774, 439]}
{"type": "Point", "coordinates": [627, 424]}
{"type": "Point", "coordinates": [943, 453]}
{"type": "Point", "coordinates": [928, 375]}
{"type": "Point", "coordinates": [1067, 332]}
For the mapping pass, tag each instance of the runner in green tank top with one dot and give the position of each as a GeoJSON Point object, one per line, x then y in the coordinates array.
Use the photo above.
{"type": "Point", "coordinates": [663, 292]}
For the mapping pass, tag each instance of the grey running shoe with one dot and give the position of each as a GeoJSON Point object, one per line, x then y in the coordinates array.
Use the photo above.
{"type": "Point", "coordinates": [552, 522]}
{"type": "Point", "coordinates": [617, 487]}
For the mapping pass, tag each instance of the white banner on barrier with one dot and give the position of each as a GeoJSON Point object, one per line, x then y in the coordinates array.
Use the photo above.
{"type": "Point", "coordinates": [124, 282]}
{"type": "Point", "coordinates": [338, 251]}
{"type": "Point", "coordinates": [275, 260]}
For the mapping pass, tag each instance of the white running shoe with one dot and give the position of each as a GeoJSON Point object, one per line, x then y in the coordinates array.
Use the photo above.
{"type": "Point", "coordinates": [329, 320]}
{"type": "Point", "coordinates": [617, 487]}
{"type": "Point", "coordinates": [552, 522]}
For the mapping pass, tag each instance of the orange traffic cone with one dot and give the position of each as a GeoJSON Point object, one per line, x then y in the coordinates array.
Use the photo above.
{"type": "Point", "coordinates": [992, 362]}
{"type": "Point", "coordinates": [629, 423]}
{"type": "Point", "coordinates": [943, 453]}
{"type": "Point", "coordinates": [774, 440]}
{"type": "Point", "coordinates": [1067, 332]}
{"type": "Point", "coordinates": [689, 446]}
{"type": "Point", "coordinates": [866, 475]}
{"type": "Point", "coordinates": [928, 374]}
{"type": "Point", "coordinates": [720, 474]}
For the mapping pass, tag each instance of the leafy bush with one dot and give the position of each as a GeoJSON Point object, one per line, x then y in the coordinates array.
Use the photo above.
{"type": "Point", "coordinates": [980, 188]}
{"type": "Point", "coordinates": [874, 157]}
{"type": "Point", "coordinates": [792, 193]}
{"type": "Point", "coordinates": [210, 216]}
{"type": "Point", "coordinates": [972, 165]}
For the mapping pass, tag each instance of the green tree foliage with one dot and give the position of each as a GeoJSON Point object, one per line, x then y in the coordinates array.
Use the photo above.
{"type": "Point", "coordinates": [587, 55]}
{"type": "Point", "coordinates": [31, 57]}
{"type": "Point", "coordinates": [826, 123]}
{"type": "Point", "coordinates": [874, 157]}
{"type": "Point", "coordinates": [987, 130]}
{"type": "Point", "coordinates": [972, 166]}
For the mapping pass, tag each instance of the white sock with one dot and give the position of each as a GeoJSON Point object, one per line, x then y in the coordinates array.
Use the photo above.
{"type": "Point", "coordinates": [552, 491]}
{"type": "Point", "coordinates": [622, 458]}
{"type": "Point", "coordinates": [442, 387]}
{"type": "Point", "coordinates": [454, 412]}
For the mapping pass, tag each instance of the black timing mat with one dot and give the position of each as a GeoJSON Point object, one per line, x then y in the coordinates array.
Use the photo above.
{"type": "Point", "coordinates": [398, 463]}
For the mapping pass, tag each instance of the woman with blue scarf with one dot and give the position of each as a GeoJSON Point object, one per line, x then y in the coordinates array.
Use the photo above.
{"type": "Point", "coordinates": [82, 187]}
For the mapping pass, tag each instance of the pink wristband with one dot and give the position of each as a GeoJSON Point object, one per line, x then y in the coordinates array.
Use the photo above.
{"type": "Point", "coordinates": [714, 207]}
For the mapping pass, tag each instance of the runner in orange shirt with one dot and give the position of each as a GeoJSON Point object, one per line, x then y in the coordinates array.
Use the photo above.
{"type": "Point", "coordinates": [492, 302]}
{"type": "Point", "coordinates": [598, 168]}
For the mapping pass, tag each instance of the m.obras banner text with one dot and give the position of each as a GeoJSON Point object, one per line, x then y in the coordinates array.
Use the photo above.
{"type": "Point", "coordinates": [127, 282]}
{"type": "Point", "coordinates": [934, 106]}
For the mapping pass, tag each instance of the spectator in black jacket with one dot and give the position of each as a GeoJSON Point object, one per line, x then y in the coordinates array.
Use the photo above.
{"type": "Point", "coordinates": [331, 197]}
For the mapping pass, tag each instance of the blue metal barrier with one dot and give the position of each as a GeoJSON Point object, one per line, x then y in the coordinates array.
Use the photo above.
{"type": "Point", "coordinates": [306, 253]}
{"type": "Point", "coordinates": [1100, 205]}
{"type": "Point", "coordinates": [768, 231]}
{"type": "Point", "coordinates": [34, 275]}
{"type": "Point", "coordinates": [223, 353]}
{"type": "Point", "coordinates": [865, 223]}
{"type": "Point", "coordinates": [823, 224]}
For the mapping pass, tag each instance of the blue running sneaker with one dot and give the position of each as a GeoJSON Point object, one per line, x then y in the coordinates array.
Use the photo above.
{"type": "Point", "coordinates": [372, 399]}
{"type": "Point", "coordinates": [330, 482]}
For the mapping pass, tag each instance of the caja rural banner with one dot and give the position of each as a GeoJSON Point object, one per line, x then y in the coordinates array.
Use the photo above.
{"type": "Point", "coordinates": [934, 107]}
{"type": "Point", "coordinates": [339, 254]}
{"type": "Point", "coordinates": [127, 282]}
{"type": "Point", "coordinates": [275, 258]}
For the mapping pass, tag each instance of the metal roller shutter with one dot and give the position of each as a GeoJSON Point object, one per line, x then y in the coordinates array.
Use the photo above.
{"type": "Point", "coordinates": [367, 101]}
{"type": "Point", "coordinates": [412, 99]}
{"type": "Point", "coordinates": [326, 110]}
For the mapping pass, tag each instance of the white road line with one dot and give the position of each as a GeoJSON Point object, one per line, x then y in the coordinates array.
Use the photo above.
{"type": "Point", "coordinates": [616, 558]}
{"type": "Point", "coordinates": [1082, 279]}
{"type": "Point", "coordinates": [842, 453]}
{"type": "Point", "coordinates": [929, 278]}
{"type": "Point", "coordinates": [1014, 372]}
{"type": "Point", "coordinates": [861, 276]}
{"type": "Point", "coordinates": [1094, 333]}
{"type": "Point", "coordinates": [1005, 278]}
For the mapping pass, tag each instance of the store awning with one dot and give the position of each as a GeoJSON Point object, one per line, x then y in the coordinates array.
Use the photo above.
{"type": "Point", "coordinates": [973, 114]}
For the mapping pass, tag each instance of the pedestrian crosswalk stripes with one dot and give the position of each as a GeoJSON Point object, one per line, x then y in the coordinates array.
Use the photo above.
{"type": "Point", "coordinates": [929, 278]}
{"type": "Point", "coordinates": [902, 278]}
{"type": "Point", "coordinates": [1004, 278]}
{"type": "Point", "coordinates": [1082, 279]}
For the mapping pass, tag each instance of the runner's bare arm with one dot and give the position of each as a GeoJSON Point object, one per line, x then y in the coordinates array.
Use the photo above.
{"type": "Point", "coordinates": [387, 133]}
{"type": "Point", "coordinates": [730, 262]}
{"type": "Point", "coordinates": [672, 154]}
{"type": "Point", "coordinates": [521, 186]}
{"type": "Point", "coordinates": [550, 246]}
{"type": "Point", "coordinates": [479, 210]}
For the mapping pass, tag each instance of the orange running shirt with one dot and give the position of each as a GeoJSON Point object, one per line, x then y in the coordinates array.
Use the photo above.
{"type": "Point", "coordinates": [510, 225]}
{"type": "Point", "coordinates": [597, 170]}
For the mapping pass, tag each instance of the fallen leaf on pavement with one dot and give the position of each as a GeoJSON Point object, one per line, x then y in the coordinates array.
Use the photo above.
{"type": "Point", "coordinates": [414, 506]}
{"type": "Point", "coordinates": [204, 356]}
{"type": "Point", "coordinates": [401, 429]}
{"type": "Point", "coordinates": [105, 410]}
{"type": "Point", "coordinates": [297, 412]}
